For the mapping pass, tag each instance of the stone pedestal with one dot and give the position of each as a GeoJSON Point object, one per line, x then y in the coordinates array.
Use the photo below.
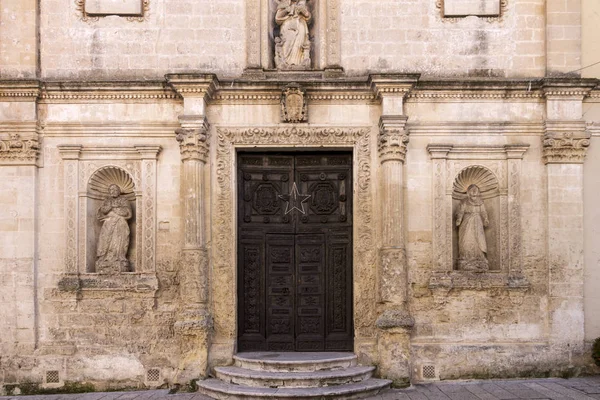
{"type": "Point", "coordinates": [394, 355]}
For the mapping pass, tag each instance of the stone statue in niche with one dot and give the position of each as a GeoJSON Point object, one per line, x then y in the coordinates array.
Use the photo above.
{"type": "Point", "coordinates": [472, 219]}
{"type": "Point", "coordinates": [292, 46]}
{"type": "Point", "coordinates": [113, 243]}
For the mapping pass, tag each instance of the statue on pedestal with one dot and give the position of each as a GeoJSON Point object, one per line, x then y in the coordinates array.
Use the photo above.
{"type": "Point", "coordinates": [113, 243]}
{"type": "Point", "coordinates": [292, 47]}
{"type": "Point", "coordinates": [472, 219]}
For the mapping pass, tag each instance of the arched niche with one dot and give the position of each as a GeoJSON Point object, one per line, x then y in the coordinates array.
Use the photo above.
{"type": "Point", "coordinates": [488, 185]}
{"type": "Point", "coordinates": [97, 191]}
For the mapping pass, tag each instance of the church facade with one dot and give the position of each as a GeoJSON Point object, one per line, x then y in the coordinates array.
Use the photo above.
{"type": "Point", "coordinates": [413, 181]}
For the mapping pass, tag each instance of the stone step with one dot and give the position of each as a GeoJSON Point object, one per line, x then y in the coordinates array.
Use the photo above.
{"type": "Point", "coordinates": [320, 378]}
{"type": "Point", "coordinates": [294, 361]}
{"type": "Point", "coordinates": [218, 389]}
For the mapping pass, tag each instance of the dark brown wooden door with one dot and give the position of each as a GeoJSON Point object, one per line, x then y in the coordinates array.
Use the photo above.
{"type": "Point", "coordinates": [295, 251]}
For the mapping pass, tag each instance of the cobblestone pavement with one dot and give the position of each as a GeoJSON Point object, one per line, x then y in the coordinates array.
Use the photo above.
{"type": "Point", "coordinates": [586, 388]}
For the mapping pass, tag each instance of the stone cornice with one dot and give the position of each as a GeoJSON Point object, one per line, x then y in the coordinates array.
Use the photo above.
{"type": "Point", "coordinates": [392, 84]}
{"type": "Point", "coordinates": [354, 89]}
{"type": "Point", "coordinates": [194, 85]}
{"type": "Point", "coordinates": [71, 92]}
{"type": "Point", "coordinates": [568, 88]}
{"type": "Point", "coordinates": [16, 90]}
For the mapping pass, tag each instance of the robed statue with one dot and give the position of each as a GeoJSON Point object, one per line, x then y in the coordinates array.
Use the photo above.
{"type": "Point", "coordinates": [472, 219]}
{"type": "Point", "coordinates": [292, 47]}
{"type": "Point", "coordinates": [113, 243]}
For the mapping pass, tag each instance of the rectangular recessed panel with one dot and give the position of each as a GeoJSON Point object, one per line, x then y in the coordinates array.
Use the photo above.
{"type": "Point", "coordinates": [114, 7]}
{"type": "Point", "coordinates": [463, 8]}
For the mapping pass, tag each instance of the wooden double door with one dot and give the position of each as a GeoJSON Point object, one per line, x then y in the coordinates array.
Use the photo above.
{"type": "Point", "coordinates": [295, 251]}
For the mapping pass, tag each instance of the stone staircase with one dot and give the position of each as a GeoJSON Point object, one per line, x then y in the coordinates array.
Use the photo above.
{"type": "Point", "coordinates": [266, 375]}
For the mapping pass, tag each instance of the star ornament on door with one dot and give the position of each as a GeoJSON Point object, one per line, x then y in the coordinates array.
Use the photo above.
{"type": "Point", "coordinates": [295, 200]}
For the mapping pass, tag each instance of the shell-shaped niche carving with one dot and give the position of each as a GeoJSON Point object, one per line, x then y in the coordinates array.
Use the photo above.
{"type": "Point", "coordinates": [104, 177]}
{"type": "Point", "coordinates": [478, 175]}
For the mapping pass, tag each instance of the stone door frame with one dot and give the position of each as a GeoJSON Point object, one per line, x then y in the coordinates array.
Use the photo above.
{"type": "Point", "coordinates": [227, 141]}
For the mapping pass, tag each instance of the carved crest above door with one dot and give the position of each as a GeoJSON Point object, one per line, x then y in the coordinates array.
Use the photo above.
{"type": "Point", "coordinates": [293, 104]}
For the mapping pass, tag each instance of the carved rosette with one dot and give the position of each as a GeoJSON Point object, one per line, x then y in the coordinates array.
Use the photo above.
{"type": "Point", "coordinates": [193, 142]}
{"type": "Point", "coordinates": [393, 138]}
{"type": "Point", "coordinates": [17, 150]}
{"type": "Point", "coordinates": [565, 147]}
{"type": "Point", "coordinates": [294, 107]}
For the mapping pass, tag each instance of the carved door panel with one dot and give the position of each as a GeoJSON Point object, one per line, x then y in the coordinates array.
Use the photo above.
{"type": "Point", "coordinates": [295, 252]}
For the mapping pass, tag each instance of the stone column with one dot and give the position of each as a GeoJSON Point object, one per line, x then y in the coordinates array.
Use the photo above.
{"type": "Point", "coordinates": [194, 324]}
{"type": "Point", "coordinates": [394, 321]}
{"type": "Point", "coordinates": [564, 149]}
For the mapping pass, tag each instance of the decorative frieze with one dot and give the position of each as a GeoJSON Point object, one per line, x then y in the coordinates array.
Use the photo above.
{"type": "Point", "coordinates": [565, 142]}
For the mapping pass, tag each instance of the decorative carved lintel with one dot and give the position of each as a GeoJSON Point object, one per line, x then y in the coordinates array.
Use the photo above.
{"type": "Point", "coordinates": [393, 138]}
{"type": "Point", "coordinates": [565, 142]}
{"type": "Point", "coordinates": [18, 150]}
{"type": "Point", "coordinates": [193, 139]}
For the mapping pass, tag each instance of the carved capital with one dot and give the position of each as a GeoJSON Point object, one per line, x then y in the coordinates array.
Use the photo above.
{"type": "Point", "coordinates": [193, 140]}
{"type": "Point", "coordinates": [18, 150]}
{"type": "Point", "coordinates": [565, 142]}
{"type": "Point", "coordinates": [393, 138]}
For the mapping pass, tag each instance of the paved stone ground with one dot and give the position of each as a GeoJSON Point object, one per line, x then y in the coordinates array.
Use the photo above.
{"type": "Point", "coordinates": [586, 388]}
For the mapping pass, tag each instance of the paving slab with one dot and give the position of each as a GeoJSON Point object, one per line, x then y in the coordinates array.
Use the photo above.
{"type": "Point", "coordinates": [584, 388]}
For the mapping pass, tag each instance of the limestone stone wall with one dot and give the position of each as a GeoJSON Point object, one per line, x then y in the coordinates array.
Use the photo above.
{"type": "Point", "coordinates": [413, 36]}
{"type": "Point", "coordinates": [18, 48]}
{"type": "Point", "coordinates": [173, 36]}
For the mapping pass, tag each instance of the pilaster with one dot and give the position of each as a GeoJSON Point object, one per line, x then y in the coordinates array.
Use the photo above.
{"type": "Point", "coordinates": [195, 323]}
{"type": "Point", "coordinates": [394, 321]}
{"type": "Point", "coordinates": [565, 144]}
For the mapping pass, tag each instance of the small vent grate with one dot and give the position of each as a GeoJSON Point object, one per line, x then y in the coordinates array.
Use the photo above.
{"type": "Point", "coordinates": [153, 375]}
{"type": "Point", "coordinates": [429, 372]}
{"type": "Point", "coordinates": [52, 377]}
